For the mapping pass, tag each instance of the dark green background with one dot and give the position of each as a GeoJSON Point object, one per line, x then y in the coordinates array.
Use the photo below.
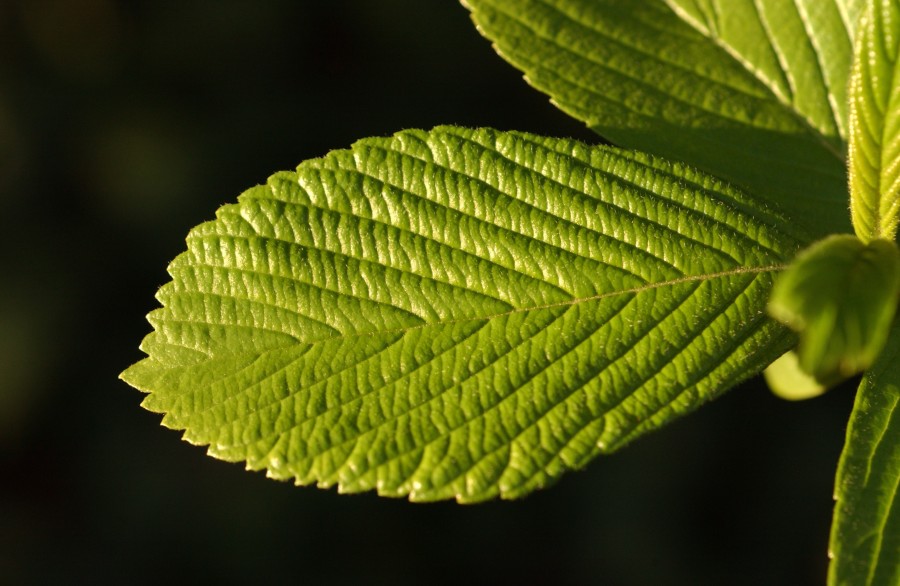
{"type": "Point", "coordinates": [122, 126]}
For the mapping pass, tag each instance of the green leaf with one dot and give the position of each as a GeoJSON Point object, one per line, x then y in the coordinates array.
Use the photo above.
{"type": "Point", "coordinates": [753, 91]}
{"type": "Point", "coordinates": [865, 534]}
{"type": "Point", "coordinates": [875, 124]}
{"type": "Point", "coordinates": [788, 380]}
{"type": "Point", "coordinates": [841, 295]}
{"type": "Point", "coordinates": [460, 313]}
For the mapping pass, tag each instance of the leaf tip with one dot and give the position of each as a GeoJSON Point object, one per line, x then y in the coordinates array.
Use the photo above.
{"type": "Point", "coordinates": [787, 379]}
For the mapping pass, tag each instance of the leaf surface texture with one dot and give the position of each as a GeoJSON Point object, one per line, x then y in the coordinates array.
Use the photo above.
{"type": "Point", "coordinates": [865, 535]}
{"type": "Point", "coordinates": [875, 124]}
{"type": "Point", "coordinates": [461, 313]}
{"type": "Point", "coordinates": [751, 90]}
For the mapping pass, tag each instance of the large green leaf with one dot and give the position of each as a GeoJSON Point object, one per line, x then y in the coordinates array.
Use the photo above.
{"type": "Point", "coordinates": [751, 90]}
{"type": "Point", "coordinates": [875, 124]}
{"type": "Point", "coordinates": [865, 535]}
{"type": "Point", "coordinates": [460, 313]}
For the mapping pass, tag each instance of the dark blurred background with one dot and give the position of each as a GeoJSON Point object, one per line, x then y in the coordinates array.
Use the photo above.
{"type": "Point", "coordinates": [122, 125]}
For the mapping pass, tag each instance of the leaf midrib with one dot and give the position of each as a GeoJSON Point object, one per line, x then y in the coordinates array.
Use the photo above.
{"type": "Point", "coordinates": [565, 303]}
{"type": "Point", "coordinates": [610, 408]}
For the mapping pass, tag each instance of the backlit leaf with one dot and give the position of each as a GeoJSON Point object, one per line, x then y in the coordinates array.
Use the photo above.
{"type": "Point", "coordinates": [461, 313]}
{"type": "Point", "coordinates": [875, 124]}
{"type": "Point", "coordinates": [865, 535]}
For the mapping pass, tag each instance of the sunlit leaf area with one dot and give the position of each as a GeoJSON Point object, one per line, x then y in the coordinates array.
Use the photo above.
{"type": "Point", "coordinates": [125, 124]}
